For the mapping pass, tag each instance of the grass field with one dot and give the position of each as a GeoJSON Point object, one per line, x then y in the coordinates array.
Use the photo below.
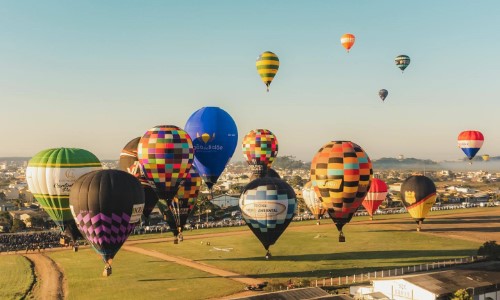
{"type": "Point", "coordinates": [137, 276]}
{"type": "Point", "coordinates": [16, 276]}
{"type": "Point", "coordinates": [313, 251]}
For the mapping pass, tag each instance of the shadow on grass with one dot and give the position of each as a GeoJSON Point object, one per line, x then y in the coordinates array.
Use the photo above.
{"type": "Point", "coordinates": [437, 220]}
{"type": "Point", "coordinates": [418, 255]}
{"type": "Point", "coordinates": [171, 279]}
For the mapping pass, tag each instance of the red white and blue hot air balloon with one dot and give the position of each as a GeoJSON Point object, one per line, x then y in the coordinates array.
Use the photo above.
{"type": "Point", "coordinates": [470, 142]}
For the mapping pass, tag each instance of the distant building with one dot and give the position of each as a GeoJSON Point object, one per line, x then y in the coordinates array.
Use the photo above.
{"type": "Point", "coordinates": [481, 280]}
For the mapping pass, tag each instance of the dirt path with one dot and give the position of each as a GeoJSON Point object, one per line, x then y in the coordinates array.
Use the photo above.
{"type": "Point", "coordinates": [48, 278]}
{"type": "Point", "coordinates": [195, 265]}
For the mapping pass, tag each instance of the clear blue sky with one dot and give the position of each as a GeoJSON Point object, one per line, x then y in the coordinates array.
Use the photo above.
{"type": "Point", "coordinates": [95, 74]}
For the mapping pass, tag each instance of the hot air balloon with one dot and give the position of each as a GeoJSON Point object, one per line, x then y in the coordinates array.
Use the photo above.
{"type": "Point", "coordinates": [402, 61]}
{"type": "Point", "coordinates": [486, 157]}
{"type": "Point", "coordinates": [267, 66]}
{"type": "Point", "coordinates": [130, 163]}
{"type": "Point", "coordinates": [215, 137]}
{"type": "Point", "coordinates": [341, 173]}
{"type": "Point", "coordinates": [347, 41]}
{"type": "Point", "coordinates": [260, 147]}
{"type": "Point", "coordinates": [375, 196]}
{"type": "Point", "coordinates": [383, 94]}
{"type": "Point", "coordinates": [470, 142]}
{"type": "Point", "coordinates": [418, 193]}
{"type": "Point", "coordinates": [166, 154]}
{"type": "Point", "coordinates": [312, 201]}
{"type": "Point", "coordinates": [50, 175]}
{"type": "Point", "coordinates": [183, 203]}
{"type": "Point", "coordinates": [106, 206]}
{"type": "Point", "coordinates": [268, 205]}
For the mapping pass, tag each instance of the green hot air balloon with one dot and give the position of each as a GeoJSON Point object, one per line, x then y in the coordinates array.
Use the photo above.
{"type": "Point", "coordinates": [268, 205]}
{"type": "Point", "coordinates": [106, 206]}
{"type": "Point", "coordinates": [402, 61]}
{"type": "Point", "coordinates": [50, 175]}
{"type": "Point", "coordinates": [267, 66]}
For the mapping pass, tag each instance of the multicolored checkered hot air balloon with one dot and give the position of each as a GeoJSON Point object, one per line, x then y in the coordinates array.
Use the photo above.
{"type": "Point", "coordinates": [402, 61]}
{"type": "Point", "coordinates": [470, 142]}
{"type": "Point", "coordinates": [419, 195]}
{"type": "Point", "coordinates": [341, 173]}
{"type": "Point", "coordinates": [267, 66]}
{"type": "Point", "coordinates": [50, 175]}
{"type": "Point", "coordinates": [177, 213]}
{"type": "Point", "coordinates": [106, 206]}
{"type": "Point", "coordinates": [347, 40]}
{"type": "Point", "coordinates": [268, 205]}
{"type": "Point", "coordinates": [166, 154]}
{"type": "Point", "coordinates": [375, 196]}
{"type": "Point", "coordinates": [130, 163]}
{"type": "Point", "coordinates": [260, 147]}
{"type": "Point", "coordinates": [312, 201]}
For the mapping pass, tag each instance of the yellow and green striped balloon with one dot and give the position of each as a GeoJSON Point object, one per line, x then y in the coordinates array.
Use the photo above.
{"type": "Point", "coordinates": [267, 66]}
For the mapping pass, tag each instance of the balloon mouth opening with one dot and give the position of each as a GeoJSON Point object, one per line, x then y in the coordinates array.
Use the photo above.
{"type": "Point", "coordinates": [259, 170]}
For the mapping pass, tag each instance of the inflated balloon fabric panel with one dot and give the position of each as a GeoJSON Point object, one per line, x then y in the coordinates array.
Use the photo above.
{"type": "Point", "coordinates": [312, 201]}
{"type": "Point", "coordinates": [190, 186]}
{"type": "Point", "coordinates": [267, 66]}
{"type": "Point", "coordinates": [269, 207]}
{"type": "Point", "coordinates": [419, 195]}
{"type": "Point", "coordinates": [129, 162]}
{"type": "Point", "coordinates": [375, 196]}
{"type": "Point", "coordinates": [341, 173]}
{"type": "Point", "coordinates": [402, 61]}
{"type": "Point", "coordinates": [166, 154]}
{"type": "Point", "coordinates": [470, 142]}
{"type": "Point", "coordinates": [50, 175]}
{"type": "Point", "coordinates": [260, 147]}
{"type": "Point", "coordinates": [347, 40]}
{"type": "Point", "coordinates": [103, 230]}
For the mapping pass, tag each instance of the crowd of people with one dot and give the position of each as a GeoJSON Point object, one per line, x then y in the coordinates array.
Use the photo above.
{"type": "Point", "coordinates": [34, 241]}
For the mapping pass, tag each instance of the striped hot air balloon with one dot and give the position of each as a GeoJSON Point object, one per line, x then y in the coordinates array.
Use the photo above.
{"type": "Point", "coordinates": [470, 141]}
{"type": "Point", "coordinates": [50, 175]}
{"type": "Point", "coordinates": [267, 66]}
{"type": "Point", "coordinates": [402, 61]}
{"type": "Point", "coordinates": [312, 201]}
{"type": "Point", "coordinates": [347, 40]}
{"type": "Point", "coordinates": [376, 195]}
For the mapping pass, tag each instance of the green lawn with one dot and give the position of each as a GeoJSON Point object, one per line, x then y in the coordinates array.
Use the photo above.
{"type": "Point", "coordinates": [313, 251]}
{"type": "Point", "coordinates": [137, 276]}
{"type": "Point", "coordinates": [16, 278]}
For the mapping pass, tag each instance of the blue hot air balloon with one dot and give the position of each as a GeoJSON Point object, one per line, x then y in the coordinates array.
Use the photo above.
{"type": "Point", "coordinates": [214, 136]}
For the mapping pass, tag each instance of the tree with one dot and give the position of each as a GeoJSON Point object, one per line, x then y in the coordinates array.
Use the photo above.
{"type": "Point", "coordinates": [461, 294]}
{"type": "Point", "coordinates": [295, 181]}
{"type": "Point", "coordinates": [490, 249]}
{"type": "Point", "coordinates": [17, 225]}
{"type": "Point", "coordinates": [36, 222]}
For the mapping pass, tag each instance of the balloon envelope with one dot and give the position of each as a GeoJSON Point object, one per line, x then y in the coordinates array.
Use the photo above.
{"type": "Point", "coordinates": [130, 163]}
{"type": "Point", "coordinates": [341, 173]}
{"type": "Point", "coordinates": [347, 40]}
{"type": "Point", "coordinates": [50, 175]}
{"type": "Point", "coordinates": [166, 154]}
{"type": "Point", "coordinates": [375, 196]}
{"type": "Point", "coordinates": [215, 136]}
{"type": "Point", "coordinates": [312, 201]}
{"type": "Point", "coordinates": [106, 206]}
{"type": "Point", "coordinates": [383, 94]}
{"type": "Point", "coordinates": [267, 66]}
{"type": "Point", "coordinates": [270, 173]}
{"type": "Point", "coordinates": [402, 61]}
{"type": "Point", "coordinates": [260, 147]}
{"type": "Point", "coordinates": [470, 141]}
{"type": "Point", "coordinates": [268, 205]}
{"type": "Point", "coordinates": [418, 193]}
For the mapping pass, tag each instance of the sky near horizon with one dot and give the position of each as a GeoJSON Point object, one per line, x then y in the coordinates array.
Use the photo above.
{"type": "Point", "coordinates": [96, 74]}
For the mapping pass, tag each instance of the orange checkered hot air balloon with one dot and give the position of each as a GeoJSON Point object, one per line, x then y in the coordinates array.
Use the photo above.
{"type": "Point", "coordinates": [347, 40]}
{"type": "Point", "coordinates": [260, 147]}
{"type": "Point", "coordinates": [341, 173]}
